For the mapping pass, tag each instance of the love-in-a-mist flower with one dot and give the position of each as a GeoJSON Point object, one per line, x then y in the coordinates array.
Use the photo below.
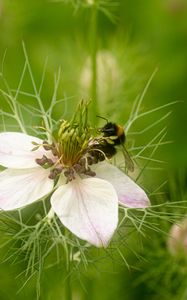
{"type": "Point", "coordinates": [86, 187]}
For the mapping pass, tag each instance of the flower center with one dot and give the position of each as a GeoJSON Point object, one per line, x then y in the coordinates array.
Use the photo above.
{"type": "Point", "coordinates": [74, 148]}
{"type": "Point", "coordinates": [72, 143]}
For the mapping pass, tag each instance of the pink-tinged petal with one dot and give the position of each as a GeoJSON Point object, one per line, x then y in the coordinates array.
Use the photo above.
{"type": "Point", "coordinates": [129, 193]}
{"type": "Point", "coordinates": [88, 208]}
{"type": "Point", "coordinates": [19, 188]}
{"type": "Point", "coordinates": [16, 150]}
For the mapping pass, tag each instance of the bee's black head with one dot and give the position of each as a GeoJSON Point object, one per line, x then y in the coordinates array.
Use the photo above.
{"type": "Point", "coordinates": [110, 129]}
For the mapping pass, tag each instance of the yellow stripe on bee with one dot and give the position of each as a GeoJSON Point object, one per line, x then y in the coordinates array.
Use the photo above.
{"type": "Point", "coordinates": [120, 130]}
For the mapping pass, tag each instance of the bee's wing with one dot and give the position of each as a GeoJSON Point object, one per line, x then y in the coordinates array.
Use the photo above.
{"type": "Point", "coordinates": [128, 161]}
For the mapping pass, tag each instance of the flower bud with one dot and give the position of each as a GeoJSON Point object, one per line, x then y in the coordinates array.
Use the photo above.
{"type": "Point", "coordinates": [177, 242]}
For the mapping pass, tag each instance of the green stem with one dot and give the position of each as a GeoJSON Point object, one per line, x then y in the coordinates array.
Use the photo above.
{"type": "Point", "coordinates": [68, 292]}
{"type": "Point", "coordinates": [93, 44]}
{"type": "Point", "coordinates": [68, 288]}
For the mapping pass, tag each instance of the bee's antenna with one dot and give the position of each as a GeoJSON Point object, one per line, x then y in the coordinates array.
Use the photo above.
{"type": "Point", "coordinates": [102, 118]}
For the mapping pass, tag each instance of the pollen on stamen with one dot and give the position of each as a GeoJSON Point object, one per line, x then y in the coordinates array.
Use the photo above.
{"type": "Point", "coordinates": [55, 172]}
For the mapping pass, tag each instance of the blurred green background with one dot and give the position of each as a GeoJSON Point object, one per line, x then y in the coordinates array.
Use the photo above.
{"type": "Point", "coordinates": [133, 39]}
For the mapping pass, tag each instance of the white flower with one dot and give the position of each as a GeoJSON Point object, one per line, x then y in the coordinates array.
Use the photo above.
{"type": "Point", "coordinates": [87, 206]}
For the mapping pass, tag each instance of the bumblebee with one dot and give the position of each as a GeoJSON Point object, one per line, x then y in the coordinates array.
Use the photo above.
{"type": "Point", "coordinates": [113, 135]}
{"type": "Point", "coordinates": [115, 132]}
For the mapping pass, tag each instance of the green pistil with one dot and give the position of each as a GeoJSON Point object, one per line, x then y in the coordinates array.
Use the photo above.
{"type": "Point", "coordinates": [73, 137]}
{"type": "Point", "coordinates": [72, 143]}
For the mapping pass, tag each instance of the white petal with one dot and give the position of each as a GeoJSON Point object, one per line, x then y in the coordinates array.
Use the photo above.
{"type": "Point", "coordinates": [16, 150]}
{"type": "Point", "coordinates": [22, 187]}
{"type": "Point", "coordinates": [89, 208]}
{"type": "Point", "coordinates": [129, 193]}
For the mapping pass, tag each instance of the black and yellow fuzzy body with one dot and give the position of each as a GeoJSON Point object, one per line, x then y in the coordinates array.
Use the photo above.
{"type": "Point", "coordinates": [114, 135]}
{"type": "Point", "coordinates": [114, 130]}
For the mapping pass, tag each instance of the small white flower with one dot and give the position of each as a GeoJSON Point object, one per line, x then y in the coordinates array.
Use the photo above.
{"type": "Point", "coordinates": [87, 206]}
